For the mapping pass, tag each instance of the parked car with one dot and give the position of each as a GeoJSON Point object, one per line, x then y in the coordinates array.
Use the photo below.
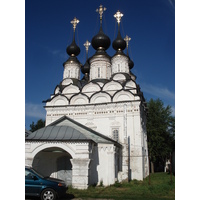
{"type": "Point", "coordinates": [44, 187]}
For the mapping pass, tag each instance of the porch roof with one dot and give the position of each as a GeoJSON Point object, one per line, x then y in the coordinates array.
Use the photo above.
{"type": "Point", "coordinates": [66, 129]}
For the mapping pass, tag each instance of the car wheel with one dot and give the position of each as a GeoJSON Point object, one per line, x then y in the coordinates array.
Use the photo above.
{"type": "Point", "coordinates": [48, 194]}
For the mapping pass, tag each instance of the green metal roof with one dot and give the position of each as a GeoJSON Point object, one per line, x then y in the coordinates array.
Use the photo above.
{"type": "Point", "coordinates": [66, 129]}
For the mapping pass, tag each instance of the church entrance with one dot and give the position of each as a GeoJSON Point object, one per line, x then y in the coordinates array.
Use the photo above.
{"type": "Point", "coordinates": [54, 162]}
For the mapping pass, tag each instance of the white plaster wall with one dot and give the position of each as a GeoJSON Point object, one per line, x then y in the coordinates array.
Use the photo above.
{"type": "Point", "coordinates": [100, 98]}
{"type": "Point", "coordinates": [106, 173]}
{"type": "Point", "coordinates": [102, 118]}
{"type": "Point", "coordinates": [70, 90]}
{"type": "Point", "coordinates": [71, 70]}
{"type": "Point", "coordinates": [112, 87]}
{"type": "Point", "coordinates": [90, 89]}
{"type": "Point", "coordinates": [79, 99]}
{"type": "Point", "coordinates": [76, 150]}
{"type": "Point", "coordinates": [80, 173]}
{"type": "Point", "coordinates": [105, 68]}
{"type": "Point", "coordinates": [119, 64]}
{"type": "Point", "coordinates": [134, 132]}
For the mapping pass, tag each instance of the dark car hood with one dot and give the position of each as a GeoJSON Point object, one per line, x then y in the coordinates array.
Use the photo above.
{"type": "Point", "coordinates": [54, 179]}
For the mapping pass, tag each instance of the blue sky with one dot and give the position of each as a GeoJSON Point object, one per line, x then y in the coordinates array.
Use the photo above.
{"type": "Point", "coordinates": [48, 32]}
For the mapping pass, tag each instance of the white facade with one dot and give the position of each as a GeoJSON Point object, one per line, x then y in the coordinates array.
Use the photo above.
{"type": "Point", "coordinates": [105, 118]}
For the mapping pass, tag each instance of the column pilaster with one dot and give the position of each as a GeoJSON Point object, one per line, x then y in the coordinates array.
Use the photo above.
{"type": "Point", "coordinates": [80, 173]}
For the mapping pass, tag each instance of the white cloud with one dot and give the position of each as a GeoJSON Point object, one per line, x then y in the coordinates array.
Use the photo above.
{"type": "Point", "coordinates": [58, 53]}
{"type": "Point", "coordinates": [160, 92]}
{"type": "Point", "coordinates": [35, 110]}
{"type": "Point", "coordinates": [54, 52]}
{"type": "Point", "coordinates": [167, 96]}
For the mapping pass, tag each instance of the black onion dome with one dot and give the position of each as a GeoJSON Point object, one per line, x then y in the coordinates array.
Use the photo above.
{"type": "Point", "coordinates": [73, 49]}
{"type": "Point", "coordinates": [130, 64]}
{"type": "Point", "coordinates": [119, 43]}
{"type": "Point", "coordinates": [100, 40]}
{"type": "Point", "coordinates": [85, 68]}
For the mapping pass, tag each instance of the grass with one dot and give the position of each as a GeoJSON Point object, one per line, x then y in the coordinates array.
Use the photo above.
{"type": "Point", "coordinates": [161, 188]}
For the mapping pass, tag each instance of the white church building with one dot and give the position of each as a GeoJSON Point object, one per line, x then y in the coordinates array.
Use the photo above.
{"type": "Point", "coordinates": [95, 129]}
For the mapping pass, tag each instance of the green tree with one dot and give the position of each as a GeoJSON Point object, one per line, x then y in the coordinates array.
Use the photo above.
{"type": "Point", "coordinates": [160, 133]}
{"type": "Point", "coordinates": [40, 124]}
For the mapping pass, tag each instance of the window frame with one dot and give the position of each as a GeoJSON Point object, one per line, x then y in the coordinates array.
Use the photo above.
{"type": "Point", "coordinates": [115, 134]}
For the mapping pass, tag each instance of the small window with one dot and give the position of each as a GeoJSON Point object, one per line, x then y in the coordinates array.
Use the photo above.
{"type": "Point", "coordinates": [116, 135]}
{"type": "Point", "coordinates": [119, 68]}
{"type": "Point", "coordinates": [98, 72]}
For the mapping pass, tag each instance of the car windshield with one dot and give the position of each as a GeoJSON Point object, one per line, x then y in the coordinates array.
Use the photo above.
{"type": "Point", "coordinates": [39, 174]}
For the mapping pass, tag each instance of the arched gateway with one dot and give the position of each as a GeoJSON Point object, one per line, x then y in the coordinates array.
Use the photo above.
{"type": "Point", "coordinates": [54, 162]}
{"type": "Point", "coordinates": [72, 152]}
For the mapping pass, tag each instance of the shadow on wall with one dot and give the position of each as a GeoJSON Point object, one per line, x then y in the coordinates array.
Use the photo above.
{"type": "Point", "coordinates": [93, 173]}
{"type": "Point", "coordinates": [64, 169]}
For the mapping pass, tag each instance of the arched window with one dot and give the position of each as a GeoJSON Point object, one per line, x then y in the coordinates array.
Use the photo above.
{"type": "Point", "coordinates": [116, 135]}
{"type": "Point", "coordinates": [119, 68]}
{"type": "Point", "coordinates": [98, 72]}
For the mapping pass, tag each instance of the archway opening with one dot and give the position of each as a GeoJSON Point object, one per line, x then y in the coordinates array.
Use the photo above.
{"type": "Point", "coordinates": [54, 162]}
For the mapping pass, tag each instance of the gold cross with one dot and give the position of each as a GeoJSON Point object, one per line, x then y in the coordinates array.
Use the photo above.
{"type": "Point", "coordinates": [127, 39]}
{"type": "Point", "coordinates": [118, 16]}
{"type": "Point", "coordinates": [100, 11]}
{"type": "Point", "coordinates": [87, 44]}
{"type": "Point", "coordinates": [75, 21]}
